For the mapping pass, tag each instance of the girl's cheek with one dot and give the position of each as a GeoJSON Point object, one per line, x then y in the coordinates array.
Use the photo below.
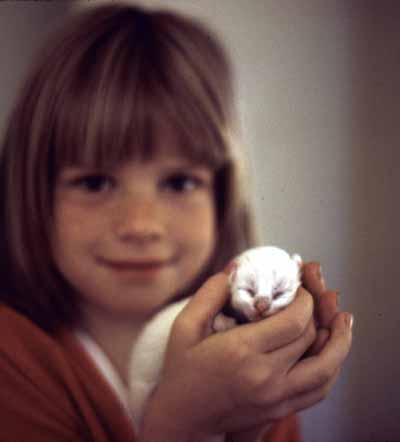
{"type": "Point", "coordinates": [197, 218]}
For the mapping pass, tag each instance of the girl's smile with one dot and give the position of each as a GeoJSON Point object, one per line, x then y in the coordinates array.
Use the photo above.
{"type": "Point", "coordinates": [130, 239]}
{"type": "Point", "coordinates": [139, 269]}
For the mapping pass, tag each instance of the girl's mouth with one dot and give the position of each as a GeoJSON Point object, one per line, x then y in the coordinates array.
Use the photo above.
{"type": "Point", "coordinates": [142, 269]}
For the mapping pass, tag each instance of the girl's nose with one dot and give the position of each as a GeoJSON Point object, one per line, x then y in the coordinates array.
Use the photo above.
{"type": "Point", "coordinates": [139, 220]}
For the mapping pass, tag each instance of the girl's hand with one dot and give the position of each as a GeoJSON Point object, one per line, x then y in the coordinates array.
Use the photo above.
{"type": "Point", "coordinates": [245, 377]}
{"type": "Point", "coordinates": [325, 310]}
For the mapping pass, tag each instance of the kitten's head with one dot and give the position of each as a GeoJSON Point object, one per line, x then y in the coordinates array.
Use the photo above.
{"type": "Point", "coordinates": [263, 283]}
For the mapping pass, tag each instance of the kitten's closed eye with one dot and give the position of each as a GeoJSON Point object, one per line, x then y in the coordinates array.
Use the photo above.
{"type": "Point", "coordinates": [251, 291]}
{"type": "Point", "coordinates": [277, 295]}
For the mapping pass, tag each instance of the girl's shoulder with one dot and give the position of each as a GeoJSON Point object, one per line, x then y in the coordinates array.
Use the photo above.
{"type": "Point", "coordinates": [33, 389]}
{"type": "Point", "coordinates": [56, 359]}
{"type": "Point", "coordinates": [49, 386]}
{"type": "Point", "coordinates": [20, 336]}
{"type": "Point", "coordinates": [12, 318]}
{"type": "Point", "coordinates": [27, 352]}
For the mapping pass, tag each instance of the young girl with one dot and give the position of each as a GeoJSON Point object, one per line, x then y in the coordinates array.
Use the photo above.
{"type": "Point", "coordinates": [120, 194]}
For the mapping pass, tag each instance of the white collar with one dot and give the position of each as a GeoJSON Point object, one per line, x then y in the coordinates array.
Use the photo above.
{"type": "Point", "coordinates": [105, 366]}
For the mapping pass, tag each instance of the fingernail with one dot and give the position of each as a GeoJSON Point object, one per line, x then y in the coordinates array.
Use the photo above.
{"type": "Point", "coordinates": [349, 320]}
{"type": "Point", "coordinates": [337, 298]}
{"type": "Point", "coordinates": [321, 278]}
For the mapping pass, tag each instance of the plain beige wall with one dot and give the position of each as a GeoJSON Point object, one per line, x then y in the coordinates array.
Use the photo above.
{"type": "Point", "coordinates": [318, 86]}
{"type": "Point", "coordinates": [23, 25]}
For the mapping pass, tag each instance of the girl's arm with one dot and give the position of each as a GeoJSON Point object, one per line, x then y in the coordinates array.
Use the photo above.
{"type": "Point", "coordinates": [249, 376]}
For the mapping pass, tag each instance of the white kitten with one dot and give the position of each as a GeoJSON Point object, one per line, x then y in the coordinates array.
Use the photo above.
{"type": "Point", "coordinates": [263, 281]}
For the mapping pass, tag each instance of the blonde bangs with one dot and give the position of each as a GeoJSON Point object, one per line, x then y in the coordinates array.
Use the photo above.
{"type": "Point", "coordinates": [122, 89]}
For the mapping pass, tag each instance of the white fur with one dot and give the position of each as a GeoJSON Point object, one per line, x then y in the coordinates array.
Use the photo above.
{"type": "Point", "coordinates": [259, 275]}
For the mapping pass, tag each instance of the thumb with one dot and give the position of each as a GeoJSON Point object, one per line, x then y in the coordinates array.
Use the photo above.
{"type": "Point", "coordinates": [205, 304]}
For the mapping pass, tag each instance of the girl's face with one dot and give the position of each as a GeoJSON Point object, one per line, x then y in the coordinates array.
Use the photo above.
{"type": "Point", "coordinates": [130, 239]}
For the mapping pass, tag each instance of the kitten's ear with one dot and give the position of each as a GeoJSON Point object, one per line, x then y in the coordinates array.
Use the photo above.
{"type": "Point", "coordinates": [231, 268]}
{"type": "Point", "coordinates": [297, 259]}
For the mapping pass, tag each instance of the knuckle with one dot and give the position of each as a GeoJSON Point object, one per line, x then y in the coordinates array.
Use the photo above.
{"type": "Point", "coordinates": [297, 327]}
{"type": "Point", "coordinates": [263, 392]}
{"type": "Point", "coordinates": [280, 411]}
{"type": "Point", "coordinates": [322, 393]}
{"type": "Point", "coordinates": [323, 377]}
{"type": "Point", "coordinates": [237, 354]}
{"type": "Point", "coordinates": [242, 344]}
{"type": "Point", "coordinates": [325, 390]}
{"type": "Point", "coordinates": [254, 381]}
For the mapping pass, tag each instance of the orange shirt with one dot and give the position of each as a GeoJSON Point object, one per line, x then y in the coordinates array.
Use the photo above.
{"type": "Point", "coordinates": [51, 390]}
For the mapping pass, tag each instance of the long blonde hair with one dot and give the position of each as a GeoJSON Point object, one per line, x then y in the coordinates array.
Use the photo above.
{"type": "Point", "coordinates": [96, 94]}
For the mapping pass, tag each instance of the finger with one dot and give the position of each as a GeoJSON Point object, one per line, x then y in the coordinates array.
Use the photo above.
{"type": "Point", "coordinates": [326, 301]}
{"type": "Point", "coordinates": [311, 373]}
{"type": "Point", "coordinates": [327, 308]}
{"type": "Point", "coordinates": [306, 400]}
{"type": "Point", "coordinates": [312, 279]}
{"type": "Point", "coordinates": [205, 304]}
{"type": "Point", "coordinates": [319, 343]}
{"type": "Point", "coordinates": [284, 358]}
{"type": "Point", "coordinates": [280, 329]}
{"type": "Point", "coordinates": [252, 433]}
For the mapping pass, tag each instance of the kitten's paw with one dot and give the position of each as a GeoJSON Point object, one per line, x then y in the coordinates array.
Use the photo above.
{"type": "Point", "coordinates": [223, 323]}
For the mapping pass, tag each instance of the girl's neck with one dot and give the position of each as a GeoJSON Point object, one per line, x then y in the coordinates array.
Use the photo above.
{"type": "Point", "coordinates": [115, 336]}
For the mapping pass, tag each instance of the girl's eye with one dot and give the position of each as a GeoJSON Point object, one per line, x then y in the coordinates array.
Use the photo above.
{"type": "Point", "coordinates": [182, 182]}
{"type": "Point", "coordinates": [94, 183]}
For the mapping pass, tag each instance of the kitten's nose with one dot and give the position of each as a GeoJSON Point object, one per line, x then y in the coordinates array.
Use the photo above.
{"type": "Point", "coordinates": [262, 305]}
